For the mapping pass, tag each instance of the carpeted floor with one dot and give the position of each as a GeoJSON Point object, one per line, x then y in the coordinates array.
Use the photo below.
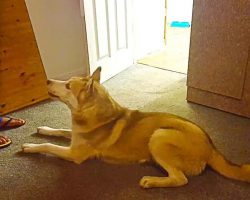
{"type": "Point", "coordinates": [28, 177]}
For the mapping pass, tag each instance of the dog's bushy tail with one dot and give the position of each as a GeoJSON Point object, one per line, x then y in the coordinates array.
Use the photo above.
{"type": "Point", "coordinates": [228, 169]}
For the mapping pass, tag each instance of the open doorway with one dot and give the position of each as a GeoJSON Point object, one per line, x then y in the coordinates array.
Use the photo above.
{"type": "Point", "coordinates": [120, 33]}
{"type": "Point", "coordinates": [177, 28]}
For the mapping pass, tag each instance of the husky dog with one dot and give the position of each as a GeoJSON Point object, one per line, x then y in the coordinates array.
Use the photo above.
{"type": "Point", "coordinates": [103, 129]}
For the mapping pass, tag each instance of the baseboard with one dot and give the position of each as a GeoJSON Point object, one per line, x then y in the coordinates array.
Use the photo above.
{"type": "Point", "coordinates": [67, 75]}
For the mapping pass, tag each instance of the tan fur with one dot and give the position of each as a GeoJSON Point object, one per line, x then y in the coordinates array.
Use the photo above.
{"type": "Point", "coordinates": [103, 129]}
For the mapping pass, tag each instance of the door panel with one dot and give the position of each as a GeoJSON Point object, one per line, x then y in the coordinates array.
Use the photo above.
{"type": "Point", "coordinates": [219, 62]}
{"type": "Point", "coordinates": [101, 28]}
{"type": "Point", "coordinates": [121, 24]}
{"type": "Point", "coordinates": [219, 46]}
{"type": "Point", "coordinates": [109, 30]}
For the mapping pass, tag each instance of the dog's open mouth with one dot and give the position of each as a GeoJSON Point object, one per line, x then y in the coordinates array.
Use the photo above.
{"type": "Point", "coordinates": [53, 95]}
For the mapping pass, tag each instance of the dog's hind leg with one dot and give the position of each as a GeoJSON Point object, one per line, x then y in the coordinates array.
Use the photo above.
{"type": "Point", "coordinates": [166, 155]}
{"type": "Point", "coordinates": [45, 130]}
{"type": "Point", "coordinates": [66, 153]}
{"type": "Point", "coordinates": [176, 178]}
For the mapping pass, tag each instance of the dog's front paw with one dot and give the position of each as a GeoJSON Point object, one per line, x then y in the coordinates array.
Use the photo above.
{"type": "Point", "coordinates": [30, 148]}
{"type": "Point", "coordinates": [44, 130]}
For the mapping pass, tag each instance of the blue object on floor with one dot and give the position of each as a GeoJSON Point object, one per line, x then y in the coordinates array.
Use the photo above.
{"type": "Point", "coordinates": [180, 24]}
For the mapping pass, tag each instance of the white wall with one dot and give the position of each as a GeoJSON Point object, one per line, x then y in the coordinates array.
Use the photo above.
{"type": "Point", "coordinates": [148, 27]}
{"type": "Point", "coordinates": [60, 36]}
{"type": "Point", "coordinates": [179, 10]}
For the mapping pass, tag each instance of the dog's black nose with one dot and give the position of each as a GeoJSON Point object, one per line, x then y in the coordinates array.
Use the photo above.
{"type": "Point", "coordinates": [48, 82]}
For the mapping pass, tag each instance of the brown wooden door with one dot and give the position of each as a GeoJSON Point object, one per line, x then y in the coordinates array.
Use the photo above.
{"type": "Point", "coordinates": [22, 76]}
{"type": "Point", "coordinates": [219, 63]}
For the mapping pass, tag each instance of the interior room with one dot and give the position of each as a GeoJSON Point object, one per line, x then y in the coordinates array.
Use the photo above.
{"type": "Point", "coordinates": [206, 81]}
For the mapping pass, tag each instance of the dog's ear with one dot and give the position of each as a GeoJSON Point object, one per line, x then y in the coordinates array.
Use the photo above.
{"type": "Point", "coordinates": [96, 76]}
{"type": "Point", "coordinates": [90, 85]}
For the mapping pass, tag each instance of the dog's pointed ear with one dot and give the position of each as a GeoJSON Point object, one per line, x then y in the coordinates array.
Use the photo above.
{"type": "Point", "coordinates": [90, 85]}
{"type": "Point", "coordinates": [96, 76]}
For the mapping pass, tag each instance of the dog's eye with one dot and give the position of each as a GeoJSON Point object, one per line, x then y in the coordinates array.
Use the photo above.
{"type": "Point", "coordinates": [67, 86]}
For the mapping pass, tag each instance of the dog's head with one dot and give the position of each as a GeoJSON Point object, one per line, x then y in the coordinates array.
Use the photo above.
{"type": "Point", "coordinates": [77, 92]}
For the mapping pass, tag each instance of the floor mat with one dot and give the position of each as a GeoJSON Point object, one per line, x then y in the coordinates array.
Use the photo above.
{"type": "Point", "coordinates": [174, 56]}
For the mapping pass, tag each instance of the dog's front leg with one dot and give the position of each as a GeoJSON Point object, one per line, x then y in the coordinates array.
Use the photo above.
{"type": "Point", "coordinates": [45, 130]}
{"type": "Point", "coordinates": [60, 151]}
{"type": "Point", "coordinates": [68, 153]}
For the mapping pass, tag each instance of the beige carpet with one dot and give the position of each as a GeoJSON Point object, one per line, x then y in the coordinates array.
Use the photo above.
{"type": "Point", "coordinates": [174, 56]}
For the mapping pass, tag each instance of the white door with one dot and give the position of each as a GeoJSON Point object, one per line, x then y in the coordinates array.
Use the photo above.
{"type": "Point", "coordinates": [109, 31]}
